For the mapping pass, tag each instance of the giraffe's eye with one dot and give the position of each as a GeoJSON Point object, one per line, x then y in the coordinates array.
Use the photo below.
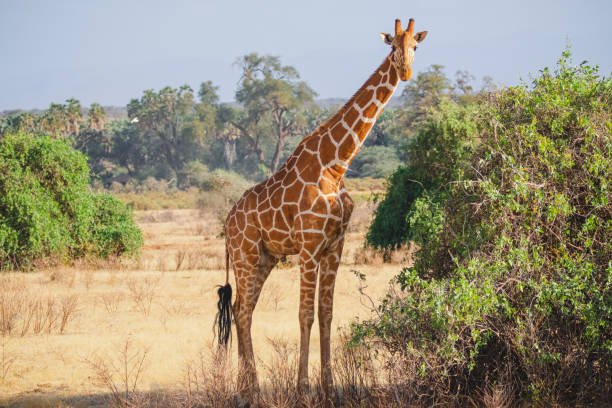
{"type": "Point", "coordinates": [415, 47]}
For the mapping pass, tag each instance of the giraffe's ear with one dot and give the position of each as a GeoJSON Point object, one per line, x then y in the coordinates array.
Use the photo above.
{"type": "Point", "coordinates": [420, 36]}
{"type": "Point", "coordinates": [387, 38]}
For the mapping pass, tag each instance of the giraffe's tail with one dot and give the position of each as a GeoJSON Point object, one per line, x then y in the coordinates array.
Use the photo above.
{"type": "Point", "coordinates": [223, 320]}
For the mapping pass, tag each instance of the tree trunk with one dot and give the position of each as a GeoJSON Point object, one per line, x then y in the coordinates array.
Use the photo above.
{"type": "Point", "coordinates": [229, 152]}
{"type": "Point", "coordinates": [252, 141]}
{"type": "Point", "coordinates": [282, 137]}
{"type": "Point", "coordinates": [278, 152]}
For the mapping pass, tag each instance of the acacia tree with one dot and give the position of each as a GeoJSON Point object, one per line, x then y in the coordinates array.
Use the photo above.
{"type": "Point", "coordinates": [168, 117]}
{"type": "Point", "coordinates": [272, 91]}
{"type": "Point", "coordinates": [424, 92]}
{"type": "Point", "coordinates": [217, 118]}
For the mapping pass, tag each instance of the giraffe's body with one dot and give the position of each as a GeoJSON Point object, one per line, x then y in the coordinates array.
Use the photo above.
{"type": "Point", "coordinates": [304, 209]}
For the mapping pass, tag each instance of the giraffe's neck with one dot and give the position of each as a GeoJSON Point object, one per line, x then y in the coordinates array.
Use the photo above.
{"type": "Point", "coordinates": [344, 133]}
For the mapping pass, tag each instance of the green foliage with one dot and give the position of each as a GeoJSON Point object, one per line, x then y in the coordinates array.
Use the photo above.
{"type": "Point", "coordinates": [273, 97]}
{"type": "Point", "coordinates": [375, 161]}
{"type": "Point", "coordinates": [113, 229]}
{"type": "Point", "coordinates": [46, 209]}
{"type": "Point", "coordinates": [512, 283]}
{"type": "Point", "coordinates": [435, 155]}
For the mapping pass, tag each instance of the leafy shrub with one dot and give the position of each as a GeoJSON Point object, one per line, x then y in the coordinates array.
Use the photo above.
{"type": "Point", "coordinates": [46, 209]}
{"type": "Point", "coordinates": [113, 229]}
{"type": "Point", "coordinates": [444, 141]}
{"type": "Point", "coordinates": [512, 285]}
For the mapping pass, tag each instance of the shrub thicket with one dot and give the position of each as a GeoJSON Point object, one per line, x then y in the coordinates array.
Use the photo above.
{"type": "Point", "coordinates": [47, 210]}
{"type": "Point", "coordinates": [436, 154]}
{"type": "Point", "coordinates": [511, 290]}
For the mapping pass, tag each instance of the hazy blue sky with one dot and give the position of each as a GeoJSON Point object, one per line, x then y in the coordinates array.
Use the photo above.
{"type": "Point", "coordinates": [110, 51]}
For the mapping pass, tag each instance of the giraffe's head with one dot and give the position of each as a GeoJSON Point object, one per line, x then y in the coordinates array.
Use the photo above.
{"type": "Point", "coordinates": [404, 44]}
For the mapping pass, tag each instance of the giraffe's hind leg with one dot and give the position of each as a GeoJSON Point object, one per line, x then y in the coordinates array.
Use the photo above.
{"type": "Point", "coordinates": [251, 273]}
{"type": "Point", "coordinates": [309, 265]}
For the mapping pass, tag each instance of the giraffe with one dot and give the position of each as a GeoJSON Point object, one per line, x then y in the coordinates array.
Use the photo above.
{"type": "Point", "coordinates": [303, 209]}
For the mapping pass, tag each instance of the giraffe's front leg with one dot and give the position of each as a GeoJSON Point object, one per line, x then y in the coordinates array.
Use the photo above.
{"type": "Point", "coordinates": [309, 264]}
{"type": "Point", "coordinates": [330, 260]}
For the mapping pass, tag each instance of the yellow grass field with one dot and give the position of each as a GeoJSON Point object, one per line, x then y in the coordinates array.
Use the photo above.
{"type": "Point", "coordinates": [161, 307]}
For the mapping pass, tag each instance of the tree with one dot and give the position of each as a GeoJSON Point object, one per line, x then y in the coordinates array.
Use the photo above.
{"type": "Point", "coordinates": [218, 121]}
{"type": "Point", "coordinates": [17, 123]}
{"type": "Point", "coordinates": [54, 120]}
{"type": "Point", "coordinates": [97, 117]}
{"type": "Point", "coordinates": [73, 115]}
{"type": "Point", "coordinates": [268, 88]}
{"type": "Point", "coordinates": [167, 118]}
{"type": "Point", "coordinates": [423, 92]}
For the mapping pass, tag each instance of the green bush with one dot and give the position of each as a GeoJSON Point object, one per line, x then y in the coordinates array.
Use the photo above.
{"type": "Point", "coordinates": [512, 285]}
{"type": "Point", "coordinates": [113, 229]}
{"type": "Point", "coordinates": [435, 156]}
{"type": "Point", "coordinates": [46, 209]}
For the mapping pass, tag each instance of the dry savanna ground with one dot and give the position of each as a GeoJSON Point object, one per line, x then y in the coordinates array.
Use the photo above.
{"type": "Point", "coordinates": [81, 335]}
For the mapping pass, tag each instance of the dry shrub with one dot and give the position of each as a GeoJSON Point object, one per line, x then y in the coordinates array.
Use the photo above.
{"type": "Point", "coordinates": [279, 371]}
{"type": "Point", "coordinates": [87, 277]}
{"type": "Point", "coordinates": [62, 276]}
{"type": "Point", "coordinates": [496, 396]}
{"type": "Point", "coordinates": [361, 217]}
{"type": "Point", "coordinates": [201, 229]}
{"type": "Point", "coordinates": [121, 376]}
{"type": "Point", "coordinates": [162, 263]}
{"type": "Point", "coordinates": [205, 258]}
{"type": "Point", "coordinates": [113, 277]}
{"type": "Point", "coordinates": [94, 263]}
{"type": "Point", "coordinates": [143, 291]}
{"type": "Point", "coordinates": [13, 295]}
{"type": "Point", "coordinates": [354, 372]}
{"type": "Point", "coordinates": [180, 256]}
{"type": "Point", "coordinates": [111, 300]}
{"type": "Point", "coordinates": [23, 311]}
{"type": "Point", "coordinates": [210, 381]}
{"type": "Point", "coordinates": [68, 307]}
{"type": "Point", "coordinates": [402, 255]}
{"type": "Point", "coordinates": [367, 255]}
{"type": "Point", "coordinates": [166, 216]}
{"type": "Point", "coordinates": [272, 295]}
{"type": "Point", "coordinates": [44, 314]}
{"type": "Point", "coordinates": [6, 359]}
{"type": "Point", "coordinates": [175, 307]}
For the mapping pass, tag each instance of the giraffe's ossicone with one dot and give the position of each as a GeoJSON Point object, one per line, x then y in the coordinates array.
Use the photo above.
{"type": "Point", "coordinates": [303, 209]}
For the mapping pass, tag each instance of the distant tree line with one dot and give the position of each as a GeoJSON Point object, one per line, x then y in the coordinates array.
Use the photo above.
{"type": "Point", "coordinates": [176, 134]}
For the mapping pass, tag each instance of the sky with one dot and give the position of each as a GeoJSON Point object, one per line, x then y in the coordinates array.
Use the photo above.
{"type": "Point", "coordinates": [111, 51]}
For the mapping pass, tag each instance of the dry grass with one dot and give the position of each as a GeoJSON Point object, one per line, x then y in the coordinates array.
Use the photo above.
{"type": "Point", "coordinates": [143, 291]}
{"type": "Point", "coordinates": [62, 326]}
{"type": "Point", "coordinates": [120, 376]}
{"type": "Point", "coordinates": [24, 310]}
